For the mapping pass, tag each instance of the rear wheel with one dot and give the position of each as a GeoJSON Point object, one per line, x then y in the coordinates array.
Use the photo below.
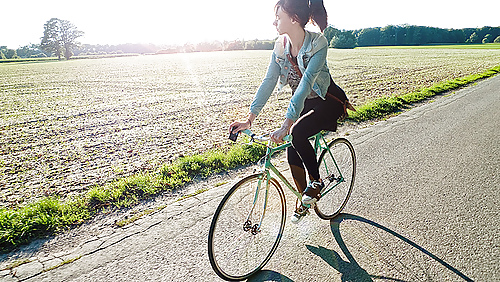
{"type": "Point", "coordinates": [337, 168]}
{"type": "Point", "coordinates": [237, 246]}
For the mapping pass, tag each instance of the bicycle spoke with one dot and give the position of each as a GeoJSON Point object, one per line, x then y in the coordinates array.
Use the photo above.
{"type": "Point", "coordinates": [236, 248]}
{"type": "Point", "coordinates": [337, 166]}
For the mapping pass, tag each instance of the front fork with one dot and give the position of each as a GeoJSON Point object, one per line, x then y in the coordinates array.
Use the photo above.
{"type": "Point", "coordinates": [247, 226]}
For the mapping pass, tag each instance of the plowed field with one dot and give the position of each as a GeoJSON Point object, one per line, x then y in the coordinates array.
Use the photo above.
{"type": "Point", "coordinates": [66, 126]}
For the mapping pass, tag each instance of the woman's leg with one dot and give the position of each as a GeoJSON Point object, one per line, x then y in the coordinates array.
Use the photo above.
{"type": "Point", "coordinates": [304, 128]}
{"type": "Point", "coordinates": [297, 169]}
{"type": "Point", "coordinates": [318, 114]}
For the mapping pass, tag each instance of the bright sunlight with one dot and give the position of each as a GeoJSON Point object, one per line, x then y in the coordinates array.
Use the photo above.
{"type": "Point", "coordinates": [179, 22]}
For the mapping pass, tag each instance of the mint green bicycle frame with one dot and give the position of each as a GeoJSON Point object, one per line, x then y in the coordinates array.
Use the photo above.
{"type": "Point", "coordinates": [319, 144]}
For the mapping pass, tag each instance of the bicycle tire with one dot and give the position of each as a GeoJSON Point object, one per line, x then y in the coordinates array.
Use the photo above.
{"type": "Point", "coordinates": [344, 160]}
{"type": "Point", "coordinates": [236, 254]}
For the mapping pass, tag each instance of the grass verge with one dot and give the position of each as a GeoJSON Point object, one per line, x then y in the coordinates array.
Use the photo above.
{"type": "Point", "coordinates": [388, 105]}
{"type": "Point", "coordinates": [21, 225]}
{"type": "Point", "coordinates": [47, 216]}
{"type": "Point", "coordinates": [439, 46]}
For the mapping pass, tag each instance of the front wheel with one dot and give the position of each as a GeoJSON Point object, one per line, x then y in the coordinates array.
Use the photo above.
{"type": "Point", "coordinates": [337, 167]}
{"type": "Point", "coordinates": [247, 227]}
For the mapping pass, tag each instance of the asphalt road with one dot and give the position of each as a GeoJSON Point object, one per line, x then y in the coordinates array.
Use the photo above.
{"type": "Point", "coordinates": [424, 208]}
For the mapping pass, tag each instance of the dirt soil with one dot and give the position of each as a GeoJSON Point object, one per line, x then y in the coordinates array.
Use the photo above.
{"type": "Point", "coordinates": [67, 126]}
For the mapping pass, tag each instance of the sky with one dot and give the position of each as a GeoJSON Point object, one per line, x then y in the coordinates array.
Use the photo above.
{"type": "Point", "coordinates": [181, 21]}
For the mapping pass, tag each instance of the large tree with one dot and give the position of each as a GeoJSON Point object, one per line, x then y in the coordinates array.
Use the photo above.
{"type": "Point", "coordinates": [59, 37]}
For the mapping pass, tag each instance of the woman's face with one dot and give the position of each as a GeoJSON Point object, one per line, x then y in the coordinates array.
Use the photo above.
{"type": "Point", "coordinates": [283, 22]}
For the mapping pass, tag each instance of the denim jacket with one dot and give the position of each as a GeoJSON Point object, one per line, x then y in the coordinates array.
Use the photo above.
{"type": "Point", "coordinates": [312, 63]}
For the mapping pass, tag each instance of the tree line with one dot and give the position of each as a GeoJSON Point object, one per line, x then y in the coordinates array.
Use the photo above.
{"type": "Point", "coordinates": [409, 35]}
{"type": "Point", "coordinates": [60, 40]}
{"type": "Point", "coordinates": [255, 44]}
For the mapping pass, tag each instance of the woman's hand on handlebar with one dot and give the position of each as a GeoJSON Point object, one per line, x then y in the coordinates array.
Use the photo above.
{"type": "Point", "coordinates": [278, 135]}
{"type": "Point", "coordinates": [239, 126]}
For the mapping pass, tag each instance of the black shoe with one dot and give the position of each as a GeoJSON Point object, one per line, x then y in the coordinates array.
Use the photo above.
{"type": "Point", "coordinates": [313, 192]}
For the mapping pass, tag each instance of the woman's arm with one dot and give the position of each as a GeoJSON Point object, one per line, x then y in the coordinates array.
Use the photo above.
{"type": "Point", "coordinates": [261, 97]}
{"type": "Point", "coordinates": [267, 86]}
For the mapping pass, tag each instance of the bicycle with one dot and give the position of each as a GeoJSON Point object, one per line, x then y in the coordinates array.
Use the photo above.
{"type": "Point", "coordinates": [249, 221]}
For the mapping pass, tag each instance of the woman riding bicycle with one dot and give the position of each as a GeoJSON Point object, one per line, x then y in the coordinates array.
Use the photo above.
{"type": "Point", "coordinates": [299, 60]}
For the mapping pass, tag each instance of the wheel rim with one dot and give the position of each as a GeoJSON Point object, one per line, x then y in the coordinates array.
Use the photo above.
{"type": "Point", "coordinates": [235, 251]}
{"type": "Point", "coordinates": [331, 204]}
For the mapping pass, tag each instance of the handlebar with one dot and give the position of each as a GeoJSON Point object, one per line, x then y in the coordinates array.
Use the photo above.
{"type": "Point", "coordinates": [263, 138]}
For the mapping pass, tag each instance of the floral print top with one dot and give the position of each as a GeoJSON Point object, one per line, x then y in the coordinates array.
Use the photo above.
{"type": "Point", "coordinates": [294, 79]}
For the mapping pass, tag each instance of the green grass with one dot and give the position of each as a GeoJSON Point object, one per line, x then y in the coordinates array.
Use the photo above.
{"type": "Point", "coordinates": [439, 46]}
{"type": "Point", "coordinates": [38, 219]}
{"type": "Point", "coordinates": [68, 261]}
{"type": "Point", "coordinates": [128, 191]}
{"type": "Point", "coordinates": [28, 60]}
{"type": "Point", "coordinates": [16, 263]}
{"type": "Point", "coordinates": [22, 224]}
{"type": "Point", "coordinates": [51, 59]}
{"type": "Point", "coordinates": [47, 216]}
{"type": "Point", "coordinates": [199, 191]}
{"type": "Point", "coordinates": [137, 216]}
{"type": "Point", "coordinates": [390, 105]}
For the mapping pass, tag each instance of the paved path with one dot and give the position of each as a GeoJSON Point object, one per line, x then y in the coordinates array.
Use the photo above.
{"type": "Point", "coordinates": [424, 208]}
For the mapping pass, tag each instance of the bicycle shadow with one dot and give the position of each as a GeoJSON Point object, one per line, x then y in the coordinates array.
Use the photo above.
{"type": "Point", "coordinates": [269, 275]}
{"type": "Point", "coordinates": [350, 269]}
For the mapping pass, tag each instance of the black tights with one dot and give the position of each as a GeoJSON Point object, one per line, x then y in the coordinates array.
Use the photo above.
{"type": "Point", "coordinates": [318, 114]}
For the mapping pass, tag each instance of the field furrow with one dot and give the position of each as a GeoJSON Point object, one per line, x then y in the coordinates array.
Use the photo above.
{"type": "Point", "coordinates": [66, 126]}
